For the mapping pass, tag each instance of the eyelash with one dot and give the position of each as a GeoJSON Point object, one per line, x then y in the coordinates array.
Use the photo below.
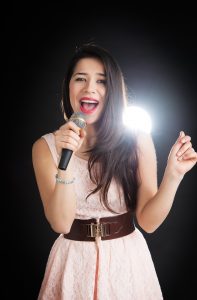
{"type": "Point", "coordinates": [82, 79]}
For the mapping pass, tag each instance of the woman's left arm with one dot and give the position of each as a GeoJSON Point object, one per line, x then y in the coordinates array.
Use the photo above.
{"type": "Point", "coordinates": [154, 204]}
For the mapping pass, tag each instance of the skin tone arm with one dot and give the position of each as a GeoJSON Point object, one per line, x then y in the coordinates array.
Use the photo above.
{"type": "Point", "coordinates": [59, 200]}
{"type": "Point", "coordinates": [154, 204]}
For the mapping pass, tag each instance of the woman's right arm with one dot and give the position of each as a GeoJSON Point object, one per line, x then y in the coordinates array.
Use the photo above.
{"type": "Point", "coordinates": [59, 200]}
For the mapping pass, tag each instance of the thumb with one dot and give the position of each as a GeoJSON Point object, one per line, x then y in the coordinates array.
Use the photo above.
{"type": "Point", "coordinates": [181, 134]}
{"type": "Point", "coordinates": [82, 133]}
{"type": "Point", "coordinates": [178, 144]}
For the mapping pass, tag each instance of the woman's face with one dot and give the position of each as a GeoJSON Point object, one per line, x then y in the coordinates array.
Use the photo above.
{"type": "Point", "coordinates": [87, 88]}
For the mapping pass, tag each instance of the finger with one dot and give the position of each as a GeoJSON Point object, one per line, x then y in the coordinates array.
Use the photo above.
{"type": "Point", "coordinates": [74, 127]}
{"type": "Point", "coordinates": [67, 145]}
{"type": "Point", "coordinates": [184, 148]}
{"type": "Point", "coordinates": [82, 133]}
{"type": "Point", "coordinates": [186, 154]}
{"type": "Point", "coordinates": [190, 154]}
{"type": "Point", "coordinates": [182, 139]}
{"type": "Point", "coordinates": [185, 139]}
{"type": "Point", "coordinates": [70, 140]}
{"type": "Point", "coordinates": [69, 133]}
{"type": "Point", "coordinates": [70, 125]}
{"type": "Point", "coordinates": [192, 157]}
{"type": "Point", "coordinates": [178, 144]}
{"type": "Point", "coordinates": [182, 133]}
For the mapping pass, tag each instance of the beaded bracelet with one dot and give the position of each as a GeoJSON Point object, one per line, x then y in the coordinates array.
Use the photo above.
{"type": "Point", "coordinates": [63, 181]}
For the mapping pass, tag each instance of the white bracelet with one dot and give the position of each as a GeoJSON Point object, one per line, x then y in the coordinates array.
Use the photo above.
{"type": "Point", "coordinates": [63, 181]}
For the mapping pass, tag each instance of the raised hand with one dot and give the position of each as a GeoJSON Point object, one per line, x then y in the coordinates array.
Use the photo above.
{"type": "Point", "coordinates": [182, 157]}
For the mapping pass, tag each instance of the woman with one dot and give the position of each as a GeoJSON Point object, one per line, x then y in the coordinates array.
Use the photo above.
{"type": "Point", "coordinates": [110, 177]}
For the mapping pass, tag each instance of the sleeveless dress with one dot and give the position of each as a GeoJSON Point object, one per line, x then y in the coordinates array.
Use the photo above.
{"type": "Point", "coordinates": [117, 269]}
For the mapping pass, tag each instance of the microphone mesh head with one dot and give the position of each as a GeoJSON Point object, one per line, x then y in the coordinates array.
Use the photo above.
{"type": "Point", "coordinates": [79, 119]}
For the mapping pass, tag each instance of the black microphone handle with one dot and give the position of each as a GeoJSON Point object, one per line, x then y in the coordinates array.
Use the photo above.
{"type": "Point", "coordinates": [65, 158]}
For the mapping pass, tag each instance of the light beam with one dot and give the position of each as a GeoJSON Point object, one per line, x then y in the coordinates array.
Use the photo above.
{"type": "Point", "coordinates": [136, 118]}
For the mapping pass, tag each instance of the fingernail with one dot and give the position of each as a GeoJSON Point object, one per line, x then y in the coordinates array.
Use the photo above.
{"type": "Point", "coordinates": [181, 133]}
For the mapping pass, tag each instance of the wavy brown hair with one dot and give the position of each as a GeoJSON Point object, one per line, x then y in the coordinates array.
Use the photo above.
{"type": "Point", "coordinates": [115, 150]}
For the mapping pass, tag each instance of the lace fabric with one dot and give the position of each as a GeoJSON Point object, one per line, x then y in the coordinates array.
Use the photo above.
{"type": "Point", "coordinates": [118, 269]}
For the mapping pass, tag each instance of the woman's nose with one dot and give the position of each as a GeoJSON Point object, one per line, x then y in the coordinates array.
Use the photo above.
{"type": "Point", "coordinates": [90, 87]}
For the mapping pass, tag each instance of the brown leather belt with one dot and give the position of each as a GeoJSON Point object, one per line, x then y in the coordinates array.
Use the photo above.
{"type": "Point", "coordinates": [107, 228]}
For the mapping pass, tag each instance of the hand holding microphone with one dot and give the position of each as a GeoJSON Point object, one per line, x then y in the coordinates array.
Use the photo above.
{"type": "Point", "coordinates": [69, 138]}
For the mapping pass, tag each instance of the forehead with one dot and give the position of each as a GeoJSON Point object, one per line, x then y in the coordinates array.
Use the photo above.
{"type": "Point", "coordinates": [89, 65]}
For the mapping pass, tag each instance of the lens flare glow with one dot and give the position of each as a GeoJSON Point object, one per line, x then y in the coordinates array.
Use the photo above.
{"type": "Point", "coordinates": [137, 118]}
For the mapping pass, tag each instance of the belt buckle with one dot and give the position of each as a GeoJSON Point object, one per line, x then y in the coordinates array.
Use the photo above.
{"type": "Point", "coordinates": [98, 230]}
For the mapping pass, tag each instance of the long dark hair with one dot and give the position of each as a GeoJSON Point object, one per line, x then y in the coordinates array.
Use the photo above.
{"type": "Point", "coordinates": [115, 151]}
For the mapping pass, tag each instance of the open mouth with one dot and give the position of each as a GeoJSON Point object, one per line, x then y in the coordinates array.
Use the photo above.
{"type": "Point", "coordinates": [88, 106]}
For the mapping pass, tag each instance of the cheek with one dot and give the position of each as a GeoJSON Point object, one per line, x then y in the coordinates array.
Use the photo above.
{"type": "Point", "coordinates": [72, 94]}
{"type": "Point", "coordinates": [71, 98]}
{"type": "Point", "coordinates": [103, 95]}
{"type": "Point", "coordinates": [74, 90]}
{"type": "Point", "coordinates": [103, 92]}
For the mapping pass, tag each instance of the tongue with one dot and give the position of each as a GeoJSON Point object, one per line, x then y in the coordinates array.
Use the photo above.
{"type": "Point", "coordinates": [89, 106]}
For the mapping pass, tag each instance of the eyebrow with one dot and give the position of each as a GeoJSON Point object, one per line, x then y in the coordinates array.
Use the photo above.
{"type": "Point", "coordinates": [82, 73]}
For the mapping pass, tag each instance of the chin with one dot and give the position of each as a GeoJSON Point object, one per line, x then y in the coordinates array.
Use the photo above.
{"type": "Point", "coordinates": [91, 121]}
{"type": "Point", "coordinates": [90, 118]}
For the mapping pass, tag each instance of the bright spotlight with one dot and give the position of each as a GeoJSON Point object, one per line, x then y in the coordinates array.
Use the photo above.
{"type": "Point", "coordinates": [136, 118]}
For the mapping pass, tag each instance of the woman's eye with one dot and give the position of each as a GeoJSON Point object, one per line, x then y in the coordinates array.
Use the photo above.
{"type": "Point", "coordinates": [80, 79]}
{"type": "Point", "coordinates": [102, 81]}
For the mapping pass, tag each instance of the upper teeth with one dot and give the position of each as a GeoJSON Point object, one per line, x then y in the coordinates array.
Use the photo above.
{"type": "Point", "coordinates": [89, 101]}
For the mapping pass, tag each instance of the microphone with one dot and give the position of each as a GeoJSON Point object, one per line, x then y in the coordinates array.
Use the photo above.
{"type": "Point", "coordinates": [79, 119]}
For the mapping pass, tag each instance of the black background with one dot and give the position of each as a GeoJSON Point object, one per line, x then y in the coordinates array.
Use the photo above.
{"type": "Point", "coordinates": [157, 54]}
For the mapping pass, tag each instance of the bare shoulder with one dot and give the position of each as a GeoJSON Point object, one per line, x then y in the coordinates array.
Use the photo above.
{"type": "Point", "coordinates": [39, 146]}
{"type": "Point", "coordinates": [44, 168]}
{"type": "Point", "coordinates": [40, 151]}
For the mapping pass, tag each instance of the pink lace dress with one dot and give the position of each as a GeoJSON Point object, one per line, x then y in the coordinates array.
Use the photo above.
{"type": "Point", "coordinates": [117, 269]}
